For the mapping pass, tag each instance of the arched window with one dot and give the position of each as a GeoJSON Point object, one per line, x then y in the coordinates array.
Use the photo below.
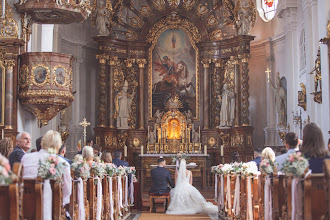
{"type": "Point", "coordinates": [267, 9]}
{"type": "Point", "coordinates": [302, 49]}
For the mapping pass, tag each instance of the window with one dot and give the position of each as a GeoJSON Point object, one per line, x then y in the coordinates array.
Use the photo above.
{"type": "Point", "coordinates": [267, 9]}
{"type": "Point", "coordinates": [302, 49]}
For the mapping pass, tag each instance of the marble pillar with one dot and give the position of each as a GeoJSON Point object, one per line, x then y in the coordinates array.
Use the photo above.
{"type": "Point", "coordinates": [141, 63]}
{"type": "Point", "coordinates": [111, 108]}
{"type": "Point", "coordinates": [206, 98]}
{"type": "Point", "coordinates": [102, 90]}
{"type": "Point", "coordinates": [9, 91]}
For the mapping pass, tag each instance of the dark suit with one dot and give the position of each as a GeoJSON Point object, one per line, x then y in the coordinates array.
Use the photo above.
{"type": "Point", "coordinates": [16, 155]}
{"type": "Point", "coordinates": [66, 159]}
{"type": "Point", "coordinates": [257, 160]}
{"type": "Point", "coordinates": [160, 178]}
{"type": "Point", "coordinates": [118, 162]}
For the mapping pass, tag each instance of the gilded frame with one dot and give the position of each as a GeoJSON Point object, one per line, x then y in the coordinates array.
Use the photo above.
{"type": "Point", "coordinates": [194, 37]}
{"type": "Point", "coordinates": [47, 78]}
{"type": "Point", "coordinates": [66, 77]}
{"type": "Point", "coordinates": [3, 94]}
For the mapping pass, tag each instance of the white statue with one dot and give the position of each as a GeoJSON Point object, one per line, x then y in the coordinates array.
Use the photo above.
{"type": "Point", "coordinates": [281, 102]}
{"type": "Point", "coordinates": [244, 20]}
{"type": "Point", "coordinates": [102, 19]}
{"type": "Point", "coordinates": [152, 138]}
{"type": "Point", "coordinates": [123, 107]}
{"type": "Point", "coordinates": [189, 117]}
{"type": "Point", "coordinates": [196, 138]}
{"type": "Point", "coordinates": [227, 113]}
{"type": "Point", "coordinates": [158, 116]}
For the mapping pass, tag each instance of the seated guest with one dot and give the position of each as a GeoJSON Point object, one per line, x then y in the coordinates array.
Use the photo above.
{"type": "Point", "coordinates": [283, 150]}
{"type": "Point", "coordinates": [51, 140]}
{"type": "Point", "coordinates": [117, 159]}
{"type": "Point", "coordinates": [62, 152]}
{"type": "Point", "coordinates": [313, 147]}
{"type": "Point", "coordinates": [88, 155]}
{"type": "Point", "coordinates": [96, 150]}
{"type": "Point", "coordinates": [106, 157]}
{"type": "Point", "coordinates": [291, 143]}
{"type": "Point", "coordinates": [38, 143]}
{"type": "Point", "coordinates": [235, 157]}
{"type": "Point", "coordinates": [6, 146]}
{"type": "Point", "coordinates": [161, 178]}
{"type": "Point", "coordinates": [257, 156]}
{"type": "Point", "coordinates": [88, 143]}
{"type": "Point", "coordinates": [23, 144]}
{"type": "Point", "coordinates": [268, 153]}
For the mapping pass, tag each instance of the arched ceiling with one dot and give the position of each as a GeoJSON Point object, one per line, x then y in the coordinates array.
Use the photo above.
{"type": "Point", "coordinates": [132, 19]}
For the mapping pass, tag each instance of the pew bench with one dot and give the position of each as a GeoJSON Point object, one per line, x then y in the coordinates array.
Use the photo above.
{"type": "Point", "coordinates": [154, 196]}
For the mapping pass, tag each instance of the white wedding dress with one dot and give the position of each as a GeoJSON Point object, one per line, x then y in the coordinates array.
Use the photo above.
{"type": "Point", "coordinates": [186, 199]}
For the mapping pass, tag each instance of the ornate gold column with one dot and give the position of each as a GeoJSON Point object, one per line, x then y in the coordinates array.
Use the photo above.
{"type": "Point", "coordinates": [9, 91]}
{"type": "Point", "coordinates": [206, 100]}
{"type": "Point", "coordinates": [111, 111]}
{"type": "Point", "coordinates": [102, 84]}
{"type": "Point", "coordinates": [216, 80]}
{"type": "Point", "coordinates": [245, 90]}
{"type": "Point", "coordinates": [237, 94]}
{"type": "Point", "coordinates": [141, 63]}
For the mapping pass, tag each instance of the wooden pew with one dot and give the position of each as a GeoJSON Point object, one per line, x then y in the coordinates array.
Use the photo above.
{"type": "Point", "coordinates": [326, 171]}
{"type": "Point", "coordinates": [278, 196]}
{"type": "Point", "coordinates": [9, 202]}
{"type": "Point", "coordinates": [91, 197]}
{"type": "Point", "coordinates": [73, 206]}
{"type": "Point", "coordinates": [32, 200]}
{"type": "Point", "coordinates": [115, 197]}
{"type": "Point", "coordinates": [255, 197]}
{"type": "Point", "coordinates": [315, 203]}
{"type": "Point", "coordinates": [58, 211]}
{"type": "Point", "coordinates": [106, 200]}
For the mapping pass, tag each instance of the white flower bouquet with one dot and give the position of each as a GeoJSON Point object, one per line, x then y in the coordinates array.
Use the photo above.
{"type": "Point", "coordinates": [98, 169]}
{"type": "Point", "coordinates": [120, 171]}
{"type": "Point", "coordinates": [179, 156]}
{"type": "Point", "coordinates": [295, 164]}
{"type": "Point", "coordinates": [110, 169]}
{"type": "Point", "coordinates": [81, 169]}
{"type": "Point", "coordinates": [250, 168]}
{"type": "Point", "coordinates": [217, 169]}
{"type": "Point", "coordinates": [227, 168]}
{"type": "Point", "coordinates": [130, 170]}
{"type": "Point", "coordinates": [6, 176]}
{"type": "Point", "coordinates": [51, 168]}
{"type": "Point", "coordinates": [267, 166]}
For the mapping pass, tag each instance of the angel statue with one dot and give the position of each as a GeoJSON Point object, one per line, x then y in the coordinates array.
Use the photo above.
{"type": "Point", "coordinates": [152, 138]}
{"type": "Point", "coordinates": [189, 117]}
{"type": "Point", "coordinates": [158, 116]}
{"type": "Point", "coordinates": [102, 19]}
{"type": "Point", "coordinates": [123, 102]}
{"type": "Point", "coordinates": [227, 112]}
{"type": "Point", "coordinates": [196, 137]}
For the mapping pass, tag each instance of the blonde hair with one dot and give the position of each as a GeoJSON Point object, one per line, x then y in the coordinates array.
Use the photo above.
{"type": "Point", "coordinates": [52, 139]}
{"type": "Point", "coordinates": [6, 146]}
{"type": "Point", "coordinates": [106, 157]}
{"type": "Point", "coordinates": [268, 153]}
{"type": "Point", "coordinates": [87, 152]}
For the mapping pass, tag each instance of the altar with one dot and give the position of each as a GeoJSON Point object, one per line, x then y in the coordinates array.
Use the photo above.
{"type": "Point", "coordinates": [198, 169]}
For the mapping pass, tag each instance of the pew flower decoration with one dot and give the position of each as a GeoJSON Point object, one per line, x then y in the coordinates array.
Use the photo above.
{"type": "Point", "coordinates": [130, 170]}
{"type": "Point", "coordinates": [179, 156]}
{"type": "Point", "coordinates": [6, 176]}
{"type": "Point", "coordinates": [237, 168]}
{"type": "Point", "coordinates": [51, 168]}
{"type": "Point", "coordinates": [110, 169]}
{"type": "Point", "coordinates": [135, 180]}
{"type": "Point", "coordinates": [250, 168]}
{"type": "Point", "coordinates": [120, 171]}
{"type": "Point", "coordinates": [227, 168]}
{"type": "Point", "coordinates": [81, 169]}
{"type": "Point", "coordinates": [217, 169]}
{"type": "Point", "coordinates": [98, 169]}
{"type": "Point", "coordinates": [296, 164]}
{"type": "Point", "coordinates": [267, 166]}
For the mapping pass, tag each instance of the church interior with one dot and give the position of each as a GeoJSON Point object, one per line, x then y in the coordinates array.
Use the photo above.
{"type": "Point", "coordinates": [208, 79]}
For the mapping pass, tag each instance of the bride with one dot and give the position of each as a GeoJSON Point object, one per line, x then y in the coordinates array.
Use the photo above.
{"type": "Point", "coordinates": [185, 198]}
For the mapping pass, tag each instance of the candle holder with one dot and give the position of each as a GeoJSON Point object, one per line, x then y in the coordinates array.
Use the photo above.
{"type": "Point", "coordinates": [148, 149]}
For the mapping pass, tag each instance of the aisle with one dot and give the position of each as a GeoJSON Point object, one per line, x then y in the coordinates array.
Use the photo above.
{"type": "Point", "coordinates": [162, 216]}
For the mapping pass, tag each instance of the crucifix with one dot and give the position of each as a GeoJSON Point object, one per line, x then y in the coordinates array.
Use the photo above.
{"type": "Point", "coordinates": [84, 123]}
{"type": "Point", "coordinates": [268, 71]}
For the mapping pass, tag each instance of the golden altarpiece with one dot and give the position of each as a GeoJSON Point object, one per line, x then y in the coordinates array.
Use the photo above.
{"type": "Point", "coordinates": [167, 62]}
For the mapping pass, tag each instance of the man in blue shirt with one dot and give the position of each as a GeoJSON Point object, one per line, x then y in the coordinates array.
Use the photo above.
{"type": "Point", "coordinates": [62, 152]}
{"type": "Point", "coordinates": [291, 143]}
{"type": "Point", "coordinates": [117, 159]}
{"type": "Point", "coordinates": [257, 156]}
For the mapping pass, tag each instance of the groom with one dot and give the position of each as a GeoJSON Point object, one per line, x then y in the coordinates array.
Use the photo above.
{"type": "Point", "coordinates": [161, 177]}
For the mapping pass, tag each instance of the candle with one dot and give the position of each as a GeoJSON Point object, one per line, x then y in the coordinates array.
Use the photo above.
{"type": "Point", "coordinates": [125, 151]}
{"type": "Point", "coordinates": [205, 150]}
{"type": "Point", "coordinates": [199, 133]}
{"type": "Point", "coordinates": [3, 8]}
{"type": "Point", "coordinates": [161, 134]}
{"type": "Point", "coordinates": [221, 151]}
{"type": "Point", "coordinates": [3, 134]}
{"type": "Point", "coordinates": [148, 135]}
{"type": "Point", "coordinates": [141, 150]}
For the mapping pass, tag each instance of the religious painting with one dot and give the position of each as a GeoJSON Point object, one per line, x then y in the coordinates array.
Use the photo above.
{"type": "Point", "coordinates": [60, 75]}
{"type": "Point", "coordinates": [173, 71]}
{"type": "Point", "coordinates": [40, 74]}
{"type": "Point", "coordinates": [23, 76]}
{"type": "Point", "coordinates": [2, 89]}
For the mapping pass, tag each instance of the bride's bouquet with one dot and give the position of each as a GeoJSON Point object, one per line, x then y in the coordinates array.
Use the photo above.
{"type": "Point", "coordinates": [295, 164]}
{"type": "Point", "coordinates": [51, 168]}
{"type": "Point", "coordinates": [179, 156]}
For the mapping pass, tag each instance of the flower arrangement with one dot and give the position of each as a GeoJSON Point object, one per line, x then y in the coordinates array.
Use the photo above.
{"type": "Point", "coordinates": [51, 168]}
{"type": "Point", "coordinates": [98, 169]}
{"type": "Point", "coordinates": [81, 169]}
{"type": "Point", "coordinates": [217, 169]}
{"type": "Point", "coordinates": [227, 168]}
{"type": "Point", "coordinates": [295, 164]}
{"type": "Point", "coordinates": [110, 169]}
{"type": "Point", "coordinates": [120, 171]}
{"type": "Point", "coordinates": [250, 168]}
{"type": "Point", "coordinates": [179, 156]}
{"type": "Point", "coordinates": [130, 170]}
{"type": "Point", "coordinates": [6, 176]}
{"type": "Point", "coordinates": [267, 166]}
{"type": "Point", "coordinates": [135, 180]}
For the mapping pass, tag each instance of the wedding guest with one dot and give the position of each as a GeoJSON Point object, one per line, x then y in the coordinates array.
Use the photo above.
{"type": "Point", "coordinates": [6, 146]}
{"type": "Point", "coordinates": [235, 157]}
{"type": "Point", "coordinates": [268, 153]}
{"type": "Point", "coordinates": [33, 150]}
{"type": "Point", "coordinates": [51, 140]}
{"type": "Point", "coordinates": [96, 150]}
{"type": "Point", "coordinates": [62, 152]}
{"type": "Point", "coordinates": [313, 147]}
{"type": "Point", "coordinates": [23, 144]}
{"type": "Point", "coordinates": [257, 156]}
{"type": "Point", "coordinates": [106, 157]}
{"type": "Point", "coordinates": [88, 143]}
{"type": "Point", "coordinates": [291, 143]}
{"type": "Point", "coordinates": [283, 150]}
{"type": "Point", "coordinates": [88, 155]}
{"type": "Point", "coordinates": [117, 159]}
{"type": "Point", "coordinates": [38, 143]}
